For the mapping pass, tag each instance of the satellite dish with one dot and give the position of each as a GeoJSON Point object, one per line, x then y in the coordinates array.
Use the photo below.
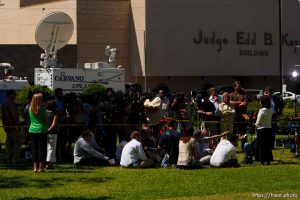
{"type": "Point", "coordinates": [54, 31]}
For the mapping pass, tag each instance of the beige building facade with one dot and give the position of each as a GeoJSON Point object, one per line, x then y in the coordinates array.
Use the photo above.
{"type": "Point", "coordinates": [184, 44]}
{"type": "Point", "coordinates": [191, 43]}
{"type": "Point", "coordinates": [97, 23]}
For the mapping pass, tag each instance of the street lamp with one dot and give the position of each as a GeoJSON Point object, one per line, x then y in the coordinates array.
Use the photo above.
{"type": "Point", "coordinates": [295, 74]}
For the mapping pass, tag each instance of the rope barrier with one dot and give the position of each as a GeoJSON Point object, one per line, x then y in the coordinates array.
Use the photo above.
{"type": "Point", "coordinates": [106, 124]}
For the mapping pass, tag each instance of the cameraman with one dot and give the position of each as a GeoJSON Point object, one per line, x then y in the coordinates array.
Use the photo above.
{"type": "Point", "coordinates": [181, 106]}
{"type": "Point", "coordinates": [115, 118]}
{"type": "Point", "coordinates": [153, 108]}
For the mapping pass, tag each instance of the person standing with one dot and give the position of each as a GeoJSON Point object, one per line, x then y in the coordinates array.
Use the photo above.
{"type": "Point", "coordinates": [264, 132]}
{"type": "Point", "coordinates": [38, 130]}
{"type": "Point", "coordinates": [10, 117]}
{"type": "Point", "coordinates": [207, 112]}
{"type": "Point", "coordinates": [153, 107]}
{"type": "Point", "coordinates": [214, 97]}
{"type": "Point", "coordinates": [52, 134]}
{"type": "Point", "coordinates": [276, 107]}
{"type": "Point", "coordinates": [164, 103]}
{"type": "Point", "coordinates": [239, 100]}
{"type": "Point", "coordinates": [62, 121]}
{"type": "Point", "coordinates": [227, 113]}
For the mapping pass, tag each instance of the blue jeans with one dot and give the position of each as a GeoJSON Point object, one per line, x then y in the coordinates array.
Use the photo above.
{"type": "Point", "coordinates": [248, 152]}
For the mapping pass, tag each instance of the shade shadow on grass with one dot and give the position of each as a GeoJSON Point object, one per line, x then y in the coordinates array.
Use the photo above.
{"type": "Point", "coordinates": [64, 198]}
{"type": "Point", "coordinates": [281, 162]}
{"type": "Point", "coordinates": [17, 166]}
{"type": "Point", "coordinates": [13, 182]}
{"type": "Point", "coordinates": [48, 182]}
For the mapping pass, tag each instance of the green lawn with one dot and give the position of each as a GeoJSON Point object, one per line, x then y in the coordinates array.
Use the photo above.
{"type": "Point", "coordinates": [68, 182]}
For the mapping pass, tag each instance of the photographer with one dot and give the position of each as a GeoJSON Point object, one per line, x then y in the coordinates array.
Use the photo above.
{"type": "Point", "coordinates": [115, 117]}
{"type": "Point", "coordinates": [181, 106]}
{"type": "Point", "coordinates": [153, 108]}
{"type": "Point", "coordinates": [136, 114]}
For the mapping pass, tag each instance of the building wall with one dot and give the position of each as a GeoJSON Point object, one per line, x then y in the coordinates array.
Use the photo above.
{"type": "Point", "coordinates": [159, 41]}
{"type": "Point", "coordinates": [184, 83]}
{"type": "Point", "coordinates": [138, 28]}
{"type": "Point", "coordinates": [18, 22]}
{"type": "Point", "coordinates": [239, 39]}
{"type": "Point", "coordinates": [103, 23]}
{"type": "Point", "coordinates": [35, 2]}
{"type": "Point", "coordinates": [97, 23]}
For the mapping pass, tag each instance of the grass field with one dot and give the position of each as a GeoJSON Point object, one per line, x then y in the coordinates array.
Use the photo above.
{"type": "Point", "coordinates": [68, 182]}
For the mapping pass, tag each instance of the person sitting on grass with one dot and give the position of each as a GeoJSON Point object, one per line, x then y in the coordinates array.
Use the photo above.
{"type": "Point", "coordinates": [168, 142]}
{"type": "Point", "coordinates": [85, 152]}
{"type": "Point", "coordinates": [186, 156]}
{"type": "Point", "coordinates": [149, 144]}
{"type": "Point", "coordinates": [203, 145]}
{"type": "Point", "coordinates": [249, 150]}
{"type": "Point", "coordinates": [225, 153]}
{"type": "Point", "coordinates": [120, 147]}
{"type": "Point", "coordinates": [133, 154]}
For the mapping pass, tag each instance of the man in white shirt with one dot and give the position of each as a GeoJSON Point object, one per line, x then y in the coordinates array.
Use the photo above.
{"type": "Point", "coordinates": [87, 152]}
{"type": "Point", "coordinates": [133, 154]}
{"type": "Point", "coordinates": [154, 109]}
{"type": "Point", "coordinates": [225, 153]}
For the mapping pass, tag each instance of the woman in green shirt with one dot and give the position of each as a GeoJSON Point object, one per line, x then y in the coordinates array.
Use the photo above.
{"type": "Point", "coordinates": [38, 129]}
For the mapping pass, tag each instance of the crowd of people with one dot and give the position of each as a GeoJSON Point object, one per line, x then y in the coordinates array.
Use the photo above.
{"type": "Point", "coordinates": [140, 129]}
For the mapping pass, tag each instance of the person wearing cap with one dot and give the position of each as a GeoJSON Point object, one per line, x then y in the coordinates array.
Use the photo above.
{"type": "Point", "coordinates": [225, 153]}
{"type": "Point", "coordinates": [203, 145]}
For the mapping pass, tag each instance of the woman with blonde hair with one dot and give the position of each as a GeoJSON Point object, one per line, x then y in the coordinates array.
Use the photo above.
{"type": "Point", "coordinates": [227, 113]}
{"type": "Point", "coordinates": [38, 130]}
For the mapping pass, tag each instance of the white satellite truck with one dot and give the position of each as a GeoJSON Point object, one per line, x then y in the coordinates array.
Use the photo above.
{"type": "Point", "coordinates": [10, 82]}
{"type": "Point", "coordinates": [52, 33]}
